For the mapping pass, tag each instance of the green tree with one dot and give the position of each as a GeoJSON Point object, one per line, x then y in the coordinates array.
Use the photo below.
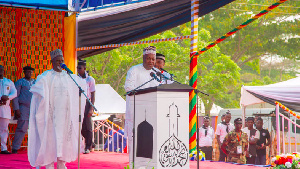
{"type": "Point", "coordinates": [217, 72]}
{"type": "Point", "coordinates": [266, 50]}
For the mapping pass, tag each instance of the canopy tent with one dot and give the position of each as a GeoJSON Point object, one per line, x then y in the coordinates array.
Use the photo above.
{"type": "Point", "coordinates": [286, 92]}
{"type": "Point", "coordinates": [132, 21]}
{"type": "Point", "coordinates": [108, 101]}
{"type": "Point", "coordinates": [136, 21]}
{"type": "Point", "coordinates": [51, 4]}
{"type": "Point", "coordinates": [213, 112]}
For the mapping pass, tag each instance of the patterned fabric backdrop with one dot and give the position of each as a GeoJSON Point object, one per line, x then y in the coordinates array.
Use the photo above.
{"type": "Point", "coordinates": [27, 36]}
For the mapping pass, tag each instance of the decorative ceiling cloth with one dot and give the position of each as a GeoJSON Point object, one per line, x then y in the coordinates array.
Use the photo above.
{"type": "Point", "coordinates": [106, 3]}
{"type": "Point", "coordinates": [287, 93]}
{"type": "Point", "coordinates": [130, 23]}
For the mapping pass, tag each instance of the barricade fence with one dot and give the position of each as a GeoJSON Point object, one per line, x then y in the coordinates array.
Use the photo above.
{"type": "Point", "coordinates": [109, 137]}
{"type": "Point", "coordinates": [286, 141]}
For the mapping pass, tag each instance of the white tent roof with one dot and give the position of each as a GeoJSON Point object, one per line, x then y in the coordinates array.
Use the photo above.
{"type": "Point", "coordinates": [286, 92]}
{"type": "Point", "coordinates": [108, 100]}
{"type": "Point", "coordinates": [213, 112]}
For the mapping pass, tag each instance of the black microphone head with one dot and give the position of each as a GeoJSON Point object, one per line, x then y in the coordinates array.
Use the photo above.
{"type": "Point", "coordinates": [152, 74]}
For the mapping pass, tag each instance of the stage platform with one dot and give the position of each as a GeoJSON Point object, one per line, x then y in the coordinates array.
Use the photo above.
{"type": "Point", "coordinates": [105, 160]}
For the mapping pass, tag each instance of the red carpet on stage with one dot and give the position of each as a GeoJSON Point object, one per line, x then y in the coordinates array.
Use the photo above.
{"type": "Point", "coordinates": [104, 160]}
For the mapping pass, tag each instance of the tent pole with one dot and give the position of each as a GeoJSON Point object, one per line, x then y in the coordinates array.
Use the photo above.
{"type": "Point", "coordinates": [193, 74]}
{"type": "Point", "coordinates": [76, 45]}
{"type": "Point", "coordinates": [277, 128]}
{"type": "Point", "coordinates": [243, 115]}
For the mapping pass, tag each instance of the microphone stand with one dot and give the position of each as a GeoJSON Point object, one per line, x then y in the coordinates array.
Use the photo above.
{"type": "Point", "coordinates": [198, 91]}
{"type": "Point", "coordinates": [79, 132]}
{"type": "Point", "coordinates": [133, 129]}
{"type": "Point", "coordinates": [165, 77]}
{"type": "Point", "coordinates": [197, 122]}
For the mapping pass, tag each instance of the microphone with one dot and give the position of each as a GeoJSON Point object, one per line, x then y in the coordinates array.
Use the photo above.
{"type": "Point", "coordinates": [163, 70]}
{"type": "Point", "coordinates": [162, 75]}
{"type": "Point", "coordinates": [154, 76]}
{"type": "Point", "coordinates": [64, 66]}
{"type": "Point", "coordinates": [158, 74]}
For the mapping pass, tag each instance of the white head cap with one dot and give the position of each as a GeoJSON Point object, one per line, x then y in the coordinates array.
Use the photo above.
{"type": "Point", "coordinates": [56, 53]}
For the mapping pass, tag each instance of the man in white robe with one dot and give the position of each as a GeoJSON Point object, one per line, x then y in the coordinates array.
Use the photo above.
{"type": "Point", "coordinates": [54, 116]}
{"type": "Point", "coordinates": [7, 93]}
{"type": "Point", "coordinates": [136, 76]}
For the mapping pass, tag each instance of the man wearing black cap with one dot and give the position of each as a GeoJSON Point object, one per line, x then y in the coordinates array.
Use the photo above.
{"type": "Point", "coordinates": [206, 137]}
{"type": "Point", "coordinates": [235, 144]}
{"type": "Point", "coordinates": [253, 137]}
{"type": "Point", "coordinates": [222, 130]}
{"type": "Point", "coordinates": [21, 106]}
{"type": "Point", "coordinates": [87, 130]}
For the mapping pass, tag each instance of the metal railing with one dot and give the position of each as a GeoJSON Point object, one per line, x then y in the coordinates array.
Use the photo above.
{"type": "Point", "coordinates": [280, 136]}
{"type": "Point", "coordinates": [106, 134]}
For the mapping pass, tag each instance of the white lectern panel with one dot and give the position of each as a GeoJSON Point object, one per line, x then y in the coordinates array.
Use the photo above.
{"type": "Point", "coordinates": [162, 130]}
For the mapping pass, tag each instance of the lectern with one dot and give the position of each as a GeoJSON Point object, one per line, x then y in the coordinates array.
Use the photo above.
{"type": "Point", "coordinates": [162, 127]}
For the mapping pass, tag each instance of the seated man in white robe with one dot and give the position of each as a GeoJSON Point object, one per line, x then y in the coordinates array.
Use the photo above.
{"type": "Point", "coordinates": [54, 115]}
{"type": "Point", "coordinates": [136, 76]}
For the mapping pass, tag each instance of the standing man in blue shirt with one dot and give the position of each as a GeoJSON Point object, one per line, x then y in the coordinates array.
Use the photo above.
{"type": "Point", "coordinates": [21, 106]}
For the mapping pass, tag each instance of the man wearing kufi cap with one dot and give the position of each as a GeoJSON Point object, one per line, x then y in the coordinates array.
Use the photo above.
{"type": "Point", "coordinates": [21, 106]}
{"type": "Point", "coordinates": [54, 116]}
{"type": "Point", "coordinates": [87, 125]}
{"type": "Point", "coordinates": [235, 144]}
{"type": "Point", "coordinates": [160, 61]}
{"type": "Point", "coordinates": [160, 64]}
{"type": "Point", "coordinates": [136, 76]}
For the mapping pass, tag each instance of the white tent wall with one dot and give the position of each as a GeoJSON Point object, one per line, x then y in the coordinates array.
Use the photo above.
{"type": "Point", "coordinates": [108, 101]}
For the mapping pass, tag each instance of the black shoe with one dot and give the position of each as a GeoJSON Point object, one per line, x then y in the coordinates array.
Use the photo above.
{"type": "Point", "coordinates": [5, 152]}
{"type": "Point", "coordinates": [92, 146]}
{"type": "Point", "coordinates": [14, 151]}
{"type": "Point", "coordinates": [86, 151]}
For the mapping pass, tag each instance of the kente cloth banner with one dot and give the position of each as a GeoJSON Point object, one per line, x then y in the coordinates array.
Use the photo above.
{"type": "Point", "coordinates": [27, 36]}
